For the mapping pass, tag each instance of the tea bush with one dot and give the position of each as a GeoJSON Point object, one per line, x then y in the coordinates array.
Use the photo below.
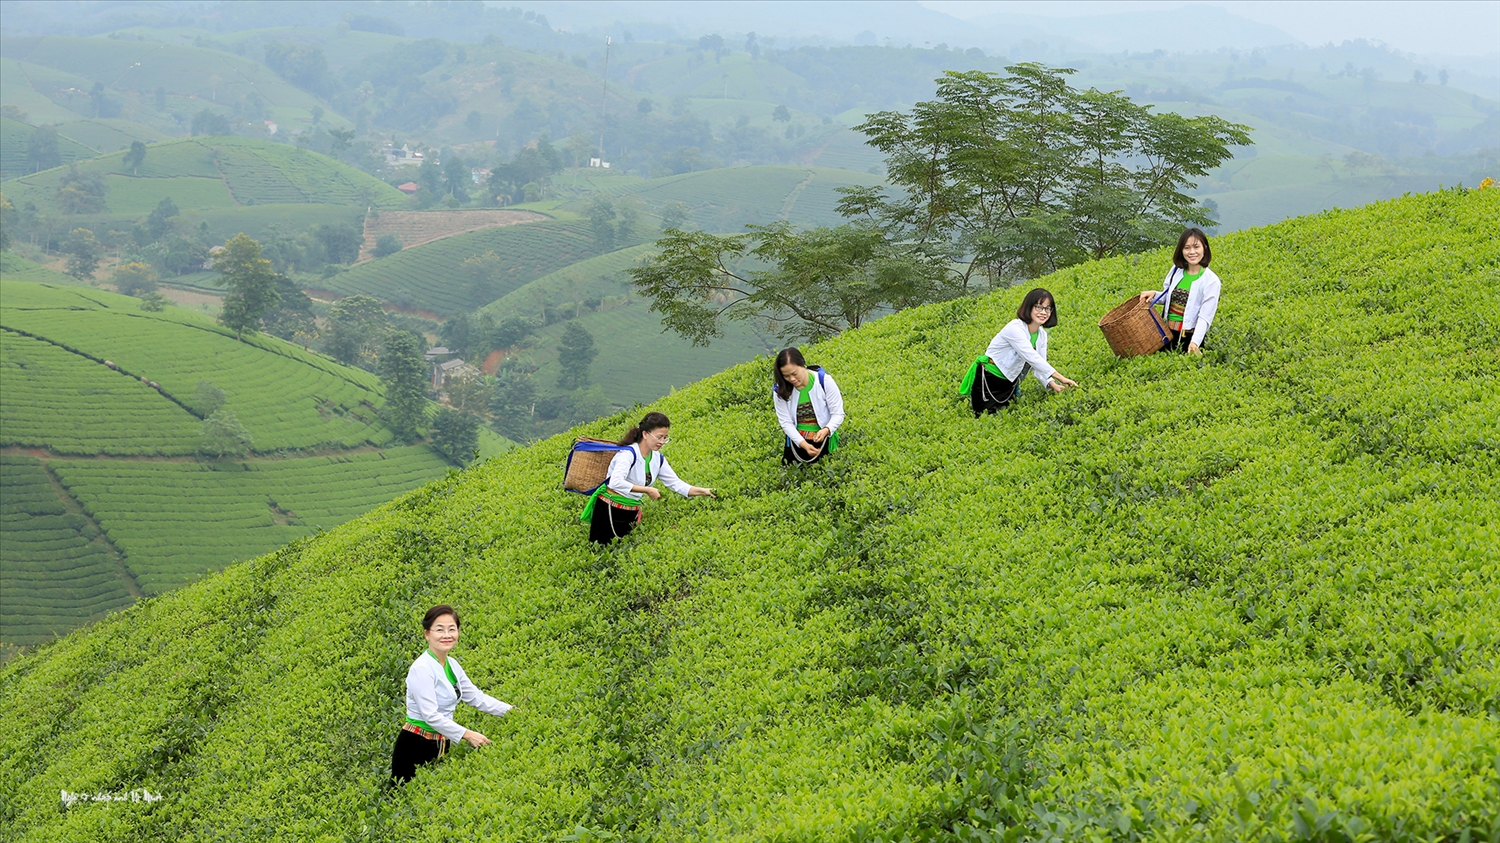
{"type": "Point", "coordinates": [1248, 596]}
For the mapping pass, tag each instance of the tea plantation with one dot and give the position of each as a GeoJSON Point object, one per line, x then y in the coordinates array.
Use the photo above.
{"type": "Point", "coordinates": [1248, 596]}
{"type": "Point", "coordinates": [104, 497]}
{"type": "Point", "coordinates": [215, 173]}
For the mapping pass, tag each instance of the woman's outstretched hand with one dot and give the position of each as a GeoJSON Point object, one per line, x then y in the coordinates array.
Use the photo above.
{"type": "Point", "coordinates": [1147, 296]}
{"type": "Point", "coordinates": [1058, 382]}
{"type": "Point", "coordinates": [1193, 348]}
{"type": "Point", "coordinates": [475, 739]}
{"type": "Point", "coordinates": [699, 492]}
{"type": "Point", "coordinates": [652, 492]}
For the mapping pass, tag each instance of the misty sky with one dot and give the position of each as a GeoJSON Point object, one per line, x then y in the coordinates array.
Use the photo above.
{"type": "Point", "coordinates": [1452, 27]}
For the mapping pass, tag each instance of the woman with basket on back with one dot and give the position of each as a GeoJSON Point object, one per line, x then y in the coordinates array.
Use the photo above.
{"type": "Point", "coordinates": [638, 464]}
{"type": "Point", "coordinates": [1190, 293]}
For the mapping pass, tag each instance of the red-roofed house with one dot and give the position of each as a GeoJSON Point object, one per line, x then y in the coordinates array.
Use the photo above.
{"type": "Point", "coordinates": [409, 188]}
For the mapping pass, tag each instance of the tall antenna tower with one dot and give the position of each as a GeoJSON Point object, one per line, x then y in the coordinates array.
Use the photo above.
{"type": "Point", "coordinates": [604, 100]}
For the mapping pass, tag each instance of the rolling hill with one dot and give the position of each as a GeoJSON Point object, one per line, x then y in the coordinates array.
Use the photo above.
{"type": "Point", "coordinates": [52, 77]}
{"type": "Point", "coordinates": [1243, 596]}
{"type": "Point", "coordinates": [212, 173]}
{"type": "Point", "coordinates": [14, 139]}
{"type": "Point", "coordinates": [100, 420]}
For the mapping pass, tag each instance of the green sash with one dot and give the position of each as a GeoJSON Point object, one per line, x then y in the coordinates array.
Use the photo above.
{"type": "Point", "coordinates": [973, 374]}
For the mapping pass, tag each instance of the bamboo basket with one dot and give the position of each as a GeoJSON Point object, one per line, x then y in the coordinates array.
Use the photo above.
{"type": "Point", "coordinates": [1133, 329]}
{"type": "Point", "coordinates": [587, 469]}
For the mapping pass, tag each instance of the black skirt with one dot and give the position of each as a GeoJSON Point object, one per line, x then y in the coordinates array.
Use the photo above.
{"type": "Point", "coordinates": [411, 750]}
{"type": "Point", "coordinates": [610, 522]}
{"type": "Point", "coordinates": [991, 392]}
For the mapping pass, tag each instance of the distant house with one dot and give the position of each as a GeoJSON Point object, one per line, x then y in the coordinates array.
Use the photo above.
{"type": "Point", "coordinates": [409, 188]}
{"type": "Point", "coordinates": [271, 127]}
{"type": "Point", "coordinates": [403, 157]}
{"type": "Point", "coordinates": [479, 176]}
{"type": "Point", "coordinates": [450, 369]}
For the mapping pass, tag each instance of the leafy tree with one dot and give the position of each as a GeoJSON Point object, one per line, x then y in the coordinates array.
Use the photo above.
{"type": "Point", "coordinates": [41, 149]}
{"type": "Point", "coordinates": [134, 278]}
{"type": "Point", "coordinates": [224, 436]}
{"type": "Point", "coordinates": [782, 113]}
{"type": "Point", "coordinates": [1015, 176]}
{"type": "Point", "coordinates": [83, 251]}
{"type": "Point", "coordinates": [340, 241]}
{"type": "Point", "coordinates": [135, 157]}
{"type": "Point", "coordinates": [673, 214]}
{"type": "Point", "coordinates": [7, 215]}
{"type": "Point", "coordinates": [303, 65]}
{"type": "Point", "coordinates": [512, 331]}
{"type": "Point", "coordinates": [292, 318]}
{"type": "Point", "coordinates": [455, 435]}
{"type": "Point", "coordinates": [481, 273]}
{"type": "Point", "coordinates": [405, 377]}
{"type": "Point", "coordinates": [81, 193]}
{"type": "Point", "coordinates": [514, 403]}
{"type": "Point", "coordinates": [207, 398]}
{"type": "Point", "coordinates": [157, 221]}
{"type": "Point", "coordinates": [456, 177]}
{"type": "Point", "coordinates": [601, 213]}
{"type": "Point", "coordinates": [357, 326]}
{"type": "Point", "coordinates": [339, 141]}
{"type": "Point", "coordinates": [153, 302]}
{"type": "Point", "coordinates": [386, 245]}
{"type": "Point", "coordinates": [251, 283]}
{"type": "Point", "coordinates": [207, 122]}
{"type": "Point", "coordinates": [468, 393]}
{"type": "Point", "coordinates": [814, 284]}
{"type": "Point", "coordinates": [574, 354]}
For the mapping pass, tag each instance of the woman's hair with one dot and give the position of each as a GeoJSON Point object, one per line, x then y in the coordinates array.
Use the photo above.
{"type": "Point", "coordinates": [436, 612]}
{"type": "Point", "coordinates": [1034, 298]}
{"type": "Point", "coordinates": [652, 421]}
{"type": "Point", "coordinates": [1181, 262]}
{"type": "Point", "coordinates": [786, 355]}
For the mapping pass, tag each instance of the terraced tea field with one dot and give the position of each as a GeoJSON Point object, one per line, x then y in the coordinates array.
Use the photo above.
{"type": "Point", "coordinates": [1246, 596]}
{"type": "Point", "coordinates": [100, 435]}
{"type": "Point", "coordinates": [432, 277]}
{"type": "Point", "coordinates": [176, 521]}
{"type": "Point", "coordinates": [415, 228]}
{"type": "Point", "coordinates": [14, 137]}
{"type": "Point", "coordinates": [726, 200]}
{"type": "Point", "coordinates": [56, 569]}
{"type": "Point", "coordinates": [219, 172]}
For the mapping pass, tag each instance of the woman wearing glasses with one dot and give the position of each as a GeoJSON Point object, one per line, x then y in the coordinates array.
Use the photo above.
{"type": "Point", "coordinates": [615, 507]}
{"type": "Point", "coordinates": [1021, 346]}
{"type": "Point", "coordinates": [435, 685]}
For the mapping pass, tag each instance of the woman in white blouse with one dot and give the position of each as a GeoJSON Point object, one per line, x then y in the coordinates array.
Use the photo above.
{"type": "Point", "coordinates": [615, 507]}
{"type": "Point", "coordinates": [1190, 293]}
{"type": "Point", "coordinates": [809, 408]}
{"type": "Point", "coordinates": [1020, 347]}
{"type": "Point", "coordinates": [435, 684]}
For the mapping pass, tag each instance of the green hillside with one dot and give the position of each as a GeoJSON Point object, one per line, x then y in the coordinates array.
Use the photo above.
{"type": "Point", "coordinates": [51, 77]}
{"type": "Point", "coordinates": [100, 401]}
{"type": "Point", "coordinates": [1243, 597]}
{"type": "Point", "coordinates": [432, 277]}
{"type": "Point", "coordinates": [730, 198]}
{"type": "Point", "coordinates": [640, 362]}
{"type": "Point", "coordinates": [215, 173]}
{"type": "Point", "coordinates": [14, 139]}
{"type": "Point", "coordinates": [13, 267]}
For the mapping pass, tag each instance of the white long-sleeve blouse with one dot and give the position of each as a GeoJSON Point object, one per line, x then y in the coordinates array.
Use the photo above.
{"type": "Point", "coordinates": [1011, 350]}
{"type": "Point", "coordinates": [628, 468]}
{"type": "Point", "coordinates": [827, 402]}
{"type": "Point", "coordinates": [431, 698]}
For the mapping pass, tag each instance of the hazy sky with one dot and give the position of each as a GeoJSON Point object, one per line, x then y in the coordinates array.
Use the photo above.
{"type": "Point", "coordinates": [1453, 27]}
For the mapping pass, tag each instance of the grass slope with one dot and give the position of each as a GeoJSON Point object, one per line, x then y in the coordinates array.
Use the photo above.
{"type": "Point", "coordinates": [125, 501]}
{"type": "Point", "coordinates": [13, 267]}
{"type": "Point", "coordinates": [216, 173]}
{"type": "Point", "coordinates": [53, 69]}
{"type": "Point", "coordinates": [728, 199]}
{"type": "Point", "coordinates": [431, 277]}
{"type": "Point", "coordinates": [1248, 596]}
{"type": "Point", "coordinates": [15, 136]}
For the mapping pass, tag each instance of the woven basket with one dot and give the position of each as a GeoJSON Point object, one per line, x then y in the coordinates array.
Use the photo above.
{"type": "Point", "coordinates": [1133, 329]}
{"type": "Point", "coordinates": [587, 469]}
